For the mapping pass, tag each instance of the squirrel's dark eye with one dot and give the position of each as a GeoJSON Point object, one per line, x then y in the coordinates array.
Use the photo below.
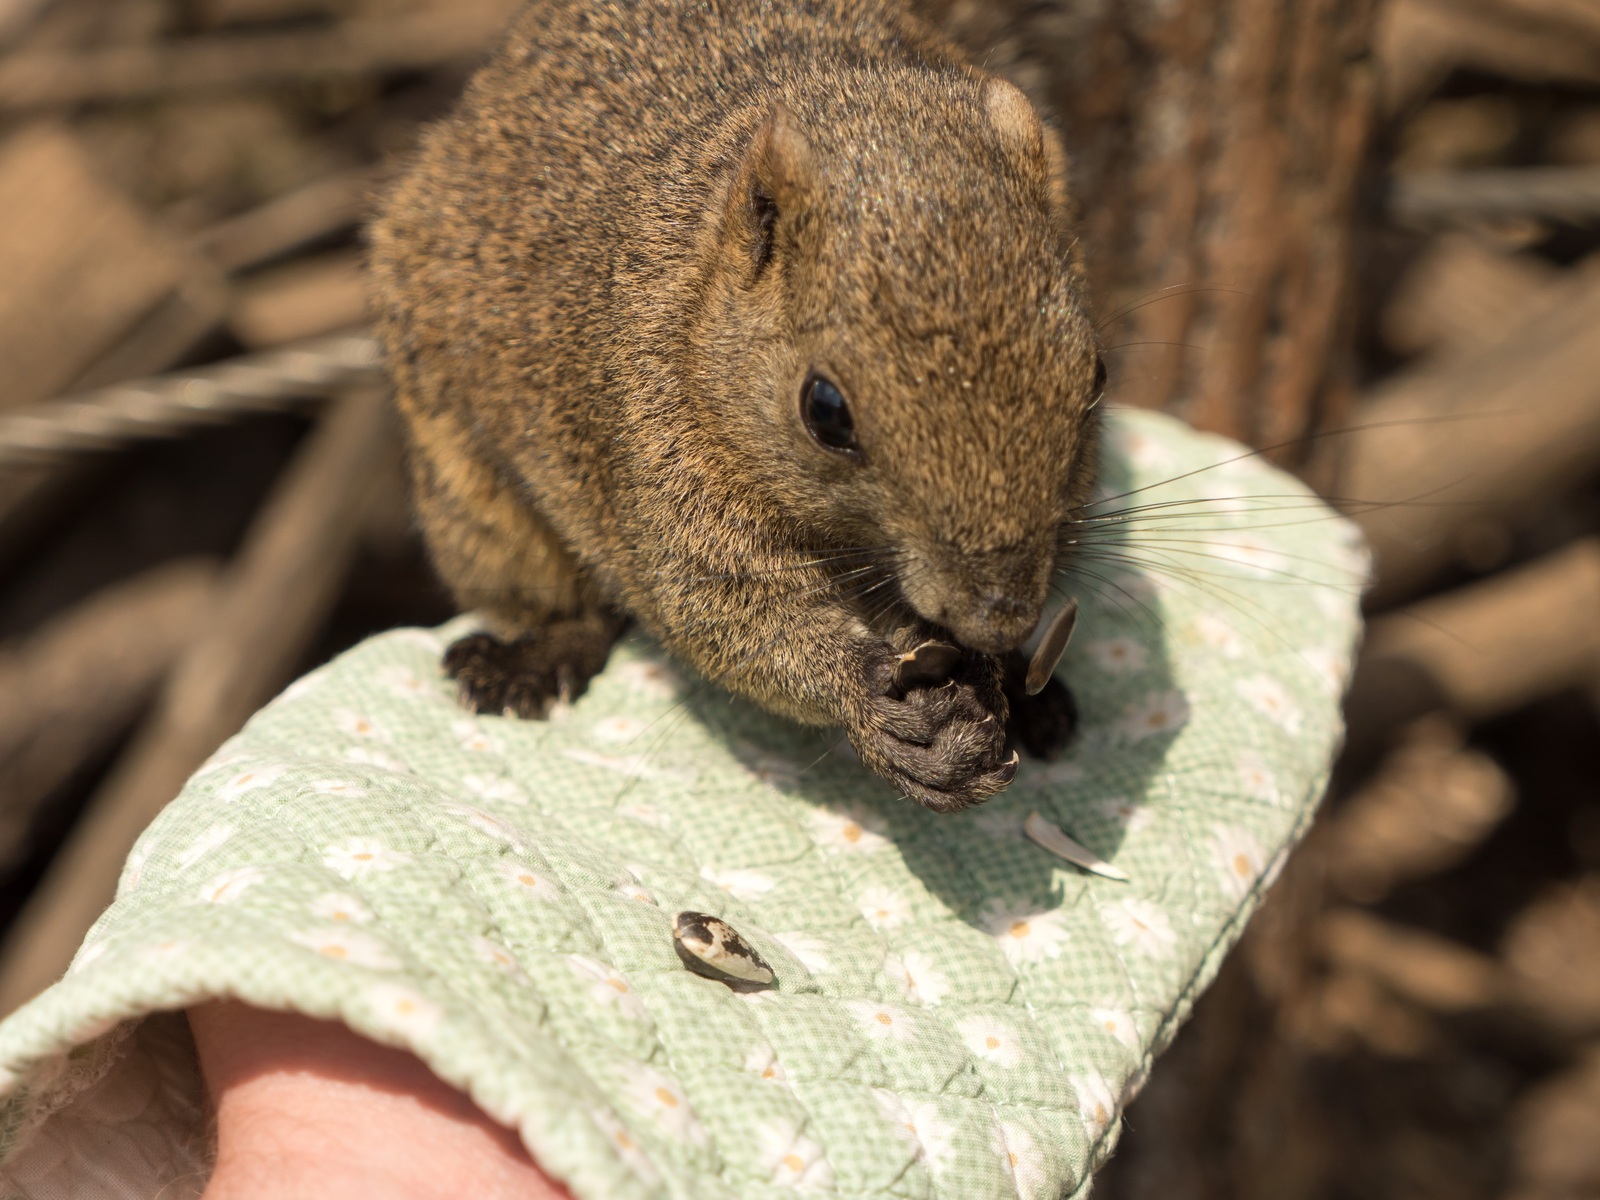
{"type": "Point", "coordinates": [1099, 376]}
{"type": "Point", "coordinates": [827, 416]}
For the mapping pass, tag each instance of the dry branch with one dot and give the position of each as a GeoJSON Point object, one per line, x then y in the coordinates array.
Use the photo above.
{"type": "Point", "coordinates": [80, 263]}
{"type": "Point", "coordinates": [235, 61]}
{"type": "Point", "coordinates": [1462, 294]}
{"type": "Point", "coordinates": [161, 407]}
{"type": "Point", "coordinates": [1431, 197]}
{"type": "Point", "coordinates": [1486, 649]}
{"type": "Point", "coordinates": [1419, 42]}
{"type": "Point", "coordinates": [1423, 968]}
{"type": "Point", "coordinates": [290, 221]}
{"type": "Point", "coordinates": [303, 299]}
{"type": "Point", "coordinates": [270, 606]}
{"type": "Point", "coordinates": [1477, 435]}
{"type": "Point", "coordinates": [1429, 806]}
{"type": "Point", "coordinates": [78, 683]}
{"type": "Point", "coordinates": [1553, 950]}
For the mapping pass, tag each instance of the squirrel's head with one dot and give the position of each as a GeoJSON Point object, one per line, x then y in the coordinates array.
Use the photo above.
{"type": "Point", "coordinates": [891, 334]}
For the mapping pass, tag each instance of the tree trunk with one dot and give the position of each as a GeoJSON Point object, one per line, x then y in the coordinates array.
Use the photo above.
{"type": "Point", "coordinates": [1216, 147]}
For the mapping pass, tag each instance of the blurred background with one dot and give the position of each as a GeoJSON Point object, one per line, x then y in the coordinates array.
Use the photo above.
{"type": "Point", "coordinates": [1357, 235]}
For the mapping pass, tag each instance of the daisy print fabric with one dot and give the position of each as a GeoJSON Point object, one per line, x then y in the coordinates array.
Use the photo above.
{"type": "Point", "coordinates": [958, 1012]}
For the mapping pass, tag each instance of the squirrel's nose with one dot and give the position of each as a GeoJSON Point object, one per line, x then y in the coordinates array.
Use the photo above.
{"type": "Point", "coordinates": [996, 622]}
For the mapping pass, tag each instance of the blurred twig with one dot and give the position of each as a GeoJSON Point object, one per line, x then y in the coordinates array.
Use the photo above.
{"type": "Point", "coordinates": [290, 221]}
{"type": "Point", "coordinates": [76, 684]}
{"type": "Point", "coordinates": [272, 603]}
{"type": "Point", "coordinates": [1482, 650]}
{"type": "Point", "coordinates": [234, 61]}
{"type": "Point", "coordinates": [172, 403]}
{"type": "Point", "coordinates": [1439, 447]}
{"type": "Point", "coordinates": [1571, 193]}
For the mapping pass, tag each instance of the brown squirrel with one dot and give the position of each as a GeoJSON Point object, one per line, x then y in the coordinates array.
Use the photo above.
{"type": "Point", "coordinates": [761, 322]}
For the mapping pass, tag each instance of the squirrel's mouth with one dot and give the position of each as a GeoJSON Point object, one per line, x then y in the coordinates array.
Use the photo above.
{"type": "Point", "coordinates": [989, 602]}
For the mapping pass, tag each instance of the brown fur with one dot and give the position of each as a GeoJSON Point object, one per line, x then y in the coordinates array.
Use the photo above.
{"type": "Point", "coordinates": [599, 331]}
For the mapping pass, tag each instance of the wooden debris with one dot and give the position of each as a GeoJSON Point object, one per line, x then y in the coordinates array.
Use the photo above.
{"type": "Point", "coordinates": [1482, 433]}
{"type": "Point", "coordinates": [1555, 1153]}
{"type": "Point", "coordinates": [81, 264]}
{"type": "Point", "coordinates": [1553, 951]}
{"type": "Point", "coordinates": [78, 683]}
{"type": "Point", "coordinates": [1486, 649]}
{"type": "Point", "coordinates": [302, 300]}
{"type": "Point", "coordinates": [1463, 293]}
{"type": "Point", "coordinates": [1575, 138]}
{"type": "Point", "coordinates": [167, 333]}
{"type": "Point", "coordinates": [1430, 806]}
{"type": "Point", "coordinates": [268, 382]}
{"type": "Point", "coordinates": [1423, 968]}
{"type": "Point", "coordinates": [1433, 197]}
{"type": "Point", "coordinates": [1419, 42]}
{"type": "Point", "coordinates": [304, 215]}
{"type": "Point", "coordinates": [234, 61]}
{"type": "Point", "coordinates": [272, 603]}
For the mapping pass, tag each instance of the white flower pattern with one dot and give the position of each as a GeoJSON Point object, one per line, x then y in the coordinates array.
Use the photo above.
{"type": "Point", "coordinates": [346, 945]}
{"type": "Point", "coordinates": [1272, 700]}
{"type": "Point", "coordinates": [1158, 713]}
{"type": "Point", "coordinates": [740, 883]}
{"type": "Point", "coordinates": [795, 1160]}
{"type": "Point", "coordinates": [811, 950]}
{"type": "Point", "coordinates": [918, 977]}
{"type": "Point", "coordinates": [990, 1039]}
{"type": "Point", "coordinates": [882, 1022]}
{"type": "Point", "coordinates": [1140, 925]}
{"type": "Point", "coordinates": [340, 906]}
{"type": "Point", "coordinates": [847, 831]}
{"type": "Point", "coordinates": [1096, 1105]}
{"type": "Point", "coordinates": [361, 856]}
{"type": "Point", "coordinates": [230, 885]}
{"type": "Point", "coordinates": [606, 987]}
{"type": "Point", "coordinates": [529, 880]}
{"type": "Point", "coordinates": [1118, 655]}
{"type": "Point", "coordinates": [884, 908]}
{"type": "Point", "coordinates": [1026, 934]}
{"type": "Point", "coordinates": [659, 1097]}
{"type": "Point", "coordinates": [1238, 858]}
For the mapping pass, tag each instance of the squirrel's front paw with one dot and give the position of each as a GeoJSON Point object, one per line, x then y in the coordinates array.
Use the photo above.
{"type": "Point", "coordinates": [942, 744]}
{"type": "Point", "coordinates": [524, 677]}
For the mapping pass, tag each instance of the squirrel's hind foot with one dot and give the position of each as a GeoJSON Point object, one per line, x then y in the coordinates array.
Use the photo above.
{"type": "Point", "coordinates": [524, 676]}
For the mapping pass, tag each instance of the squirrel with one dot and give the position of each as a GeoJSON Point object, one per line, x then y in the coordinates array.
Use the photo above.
{"type": "Point", "coordinates": [761, 323]}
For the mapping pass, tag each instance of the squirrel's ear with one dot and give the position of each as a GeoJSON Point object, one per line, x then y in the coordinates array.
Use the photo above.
{"type": "Point", "coordinates": [772, 183]}
{"type": "Point", "coordinates": [1014, 121]}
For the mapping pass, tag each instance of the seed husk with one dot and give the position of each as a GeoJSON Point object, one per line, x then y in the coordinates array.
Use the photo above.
{"type": "Point", "coordinates": [1058, 843]}
{"type": "Point", "coordinates": [928, 665]}
{"type": "Point", "coordinates": [1051, 647]}
{"type": "Point", "coordinates": [711, 947]}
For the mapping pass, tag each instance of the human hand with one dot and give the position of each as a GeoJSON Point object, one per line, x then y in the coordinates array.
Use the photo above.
{"type": "Point", "coordinates": [309, 1110]}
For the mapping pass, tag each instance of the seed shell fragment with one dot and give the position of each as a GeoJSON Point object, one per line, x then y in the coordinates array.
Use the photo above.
{"type": "Point", "coordinates": [928, 665]}
{"type": "Point", "coordinates": [1052, 839]}
{"type": "Point", "coordinates": [1051, 647]}
{"type": "Point", "coordinates": [711, 947]}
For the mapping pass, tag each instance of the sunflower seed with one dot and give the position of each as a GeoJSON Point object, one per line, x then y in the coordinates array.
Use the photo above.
{"type": "Point", "coordinates": [1051, 647]}
{"type": "Point", "coordinates": [929, 664]}
{"type": "Point", "coordinates": [1052, 839]}
{"type": "Point", "coordinates": [711, 947]}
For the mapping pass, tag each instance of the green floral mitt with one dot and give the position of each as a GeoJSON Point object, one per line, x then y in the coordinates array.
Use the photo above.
{"type": "Point", "coordinates": [958, 1012]}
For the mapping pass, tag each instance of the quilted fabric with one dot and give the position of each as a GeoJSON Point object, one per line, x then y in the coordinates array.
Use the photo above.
{"type": "Point", "coordinates": [958, 1013]}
